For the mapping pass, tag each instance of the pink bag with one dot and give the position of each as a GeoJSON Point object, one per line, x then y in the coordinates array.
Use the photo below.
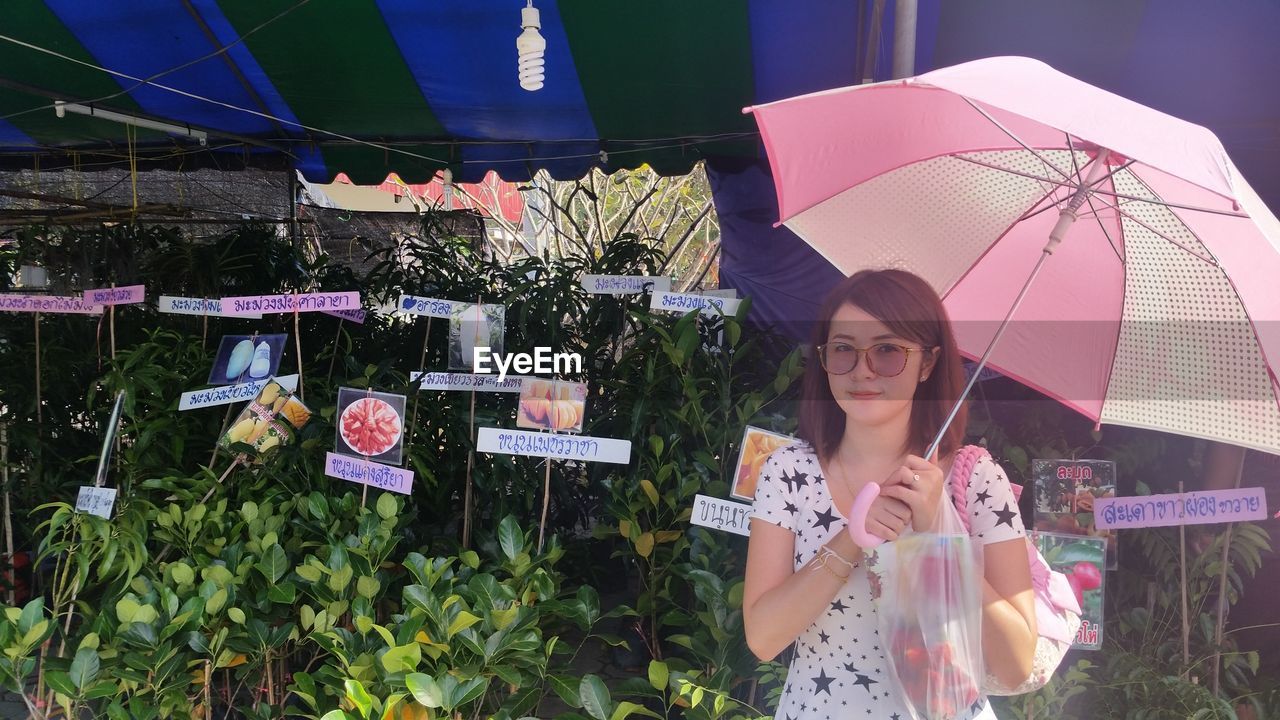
{"type": "Point", "coordinates": [1057, 612]}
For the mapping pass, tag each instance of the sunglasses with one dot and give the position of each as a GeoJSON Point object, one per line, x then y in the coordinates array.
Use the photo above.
{"type": "Point", "coordinates": [884, 359]}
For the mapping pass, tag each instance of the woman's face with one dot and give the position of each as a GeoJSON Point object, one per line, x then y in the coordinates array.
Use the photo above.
{"type": "Point", "coordinates": [866, 397]}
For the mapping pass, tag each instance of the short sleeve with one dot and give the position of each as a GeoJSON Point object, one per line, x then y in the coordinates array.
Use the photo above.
{"type": "Point", "coordinates": [992, 507]}
{"type": "Point", "coordinates": [774, 502]}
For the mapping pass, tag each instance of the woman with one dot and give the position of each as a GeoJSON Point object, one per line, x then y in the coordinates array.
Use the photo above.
{"type": "Point", "coordinates": [888, 372]}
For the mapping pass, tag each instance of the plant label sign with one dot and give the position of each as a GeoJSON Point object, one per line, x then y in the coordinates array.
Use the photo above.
{"type": "Point", "coordinates": [466, 381]}
{"type": "Point", "coordinates": [47, 304]}
{"type": "Point", "coordinates": [293, 302]}
{"type": "Point", "coordinates": [356, 316]}
{"type": "Point", "coordinates": [1066, 495]}
{"type": "Point", "coordinates": [370, 425]}
{"type": "Point", "coordinates": [116, 295]}
{"type": "Point", "coordinates": [717, 514]}
{"type": "Point", "coordinates": [1190, 508]}
{"type": "Point", "coordinates": [96, 500]}
{"type": "Point", "coordinates": [367, 472]}
{"type": "Point", "coordinates": [430, 307]}
{"type": "Point", "coordinates": [624, 284]}
{"type": "Point", "coordinates": [562, 447]}
{"type": "Point", "coordinates": [1081, 560]}
{"type": "Point", "coordinates": [174, 305]}
{"type": "Point", "coordinates": [231, 393]}
{"type": "Point", "coordinates": [684, 302]}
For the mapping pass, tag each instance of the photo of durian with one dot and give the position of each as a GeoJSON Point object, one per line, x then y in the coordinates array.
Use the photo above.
{"type": "Point", "coordinates": [552, 405]}
{"type": "Point", "coordinates": [246, 358]}
{"type": "Point", "coordinates": [756, 446]}
{"type": "Point", "coordinates": [270, 420]}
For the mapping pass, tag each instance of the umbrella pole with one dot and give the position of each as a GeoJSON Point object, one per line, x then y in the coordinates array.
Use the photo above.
{"type": "Point", "coordinates": [1066, 217]}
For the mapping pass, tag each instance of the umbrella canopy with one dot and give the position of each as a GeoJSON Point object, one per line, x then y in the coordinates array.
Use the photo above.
{"type": "Point", "coordinates": [1157, 310]}
{"type": "Point", "coordinates": [369, 88]}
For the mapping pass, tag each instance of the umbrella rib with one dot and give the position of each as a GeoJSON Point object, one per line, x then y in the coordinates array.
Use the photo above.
{"type": "Point", "coordinates": [1213, 260]}
{"type": "Point", "coordinates": [1015, 138]}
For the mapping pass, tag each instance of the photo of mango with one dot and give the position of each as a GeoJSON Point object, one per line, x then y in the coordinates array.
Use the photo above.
{"type": "Point", "coordinates": [756, 447]}
{"type": "Point", "coordinates": [552, 405]}
{"type": "Point", "coordinates": [270, 420]}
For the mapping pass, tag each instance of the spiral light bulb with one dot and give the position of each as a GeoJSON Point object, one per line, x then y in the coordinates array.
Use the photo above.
{"type": "Point", "coordinates": [530, 46]}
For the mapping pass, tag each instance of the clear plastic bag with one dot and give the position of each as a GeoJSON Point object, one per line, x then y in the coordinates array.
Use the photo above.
{"type": "Point", "coordinates": [928, 592]}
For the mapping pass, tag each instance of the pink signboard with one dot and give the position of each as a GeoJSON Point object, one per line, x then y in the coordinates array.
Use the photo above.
{"type": "Point", "coordinates": [116, 295]}
{"type": "Point", "coordinates": [299, 302]}
{"type": "Point", "coordinates": [47, 304]}
{"type": "Point", "coordinates": [1192, 508]}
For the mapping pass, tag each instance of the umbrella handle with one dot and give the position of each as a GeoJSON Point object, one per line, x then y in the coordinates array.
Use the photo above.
{"type": "Point", "coordinates": [858, 517]}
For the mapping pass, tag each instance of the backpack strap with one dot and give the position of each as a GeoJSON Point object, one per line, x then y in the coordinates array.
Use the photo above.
{"type": "Point", "coordinates": [966, 459]}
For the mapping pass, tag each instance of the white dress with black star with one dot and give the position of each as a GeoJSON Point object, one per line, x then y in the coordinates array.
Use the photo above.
{"type": "Point", "coordinates": [839, 668]}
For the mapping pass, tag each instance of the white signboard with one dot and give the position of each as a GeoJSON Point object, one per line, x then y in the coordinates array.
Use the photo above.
{"type": "Point", "coordinates": [228, 394]}
{"type": "Point", "coordinates": [96, 500]}
{"type": "Point", "coordinates": [717, 514]}
{"type": "Point", "coordinates": [564, 447]}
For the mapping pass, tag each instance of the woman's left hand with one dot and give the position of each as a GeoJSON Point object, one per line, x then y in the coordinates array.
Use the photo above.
{"type": "Point", "coordinates": [918, 483]}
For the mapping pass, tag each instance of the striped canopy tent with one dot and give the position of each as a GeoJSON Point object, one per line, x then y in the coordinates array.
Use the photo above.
{"type": "Point", "coordinates": [371, 87]}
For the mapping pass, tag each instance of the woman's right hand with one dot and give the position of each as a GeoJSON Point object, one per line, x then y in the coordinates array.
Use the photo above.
{"type": "Point", "coordinates": [887, 517]}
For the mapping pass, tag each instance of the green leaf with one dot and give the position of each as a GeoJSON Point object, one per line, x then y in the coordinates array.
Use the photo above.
{"type": "Point", "coordinates": [274, 563]}
{"type": "Point", "coordinates": [470, 558]}
{"type": "Point", "coordinates": [84, 668]}
{"type": "Point", "coordinates": [424, 689]}
{"type": "Point", "coordinates": [32, 613]}
{"type": "Point", "coordinates": [249, 511]}
{"type": "Point", "coordinates": [658, 675]}
{"type": "Point", "coordinates": [236, 615]}
{"type": "Point", "coordinates": [358, 696]}
{"type": "Point", "coordinates": [60, 682]}
{"type": "Point", "coordinates": [387, 506]}
{"type": "Point", "coordinates": [310, 573]}
{"type": "Point", "coordinates": [216, 602]}
{"type": "Point", "coordinates": [566, 689]}
{"type": "Point", "coordinates": [126, 609]}
{"type": "Point", "coordinates": [182, 573]}
{"type": "Point", "coordinates": [367, 586]}
{"type": "Point", "coordinates": [284, 593]}
{"type": "Point", "coordinates": [510, 537]}
{"type": "Point", "coordinates": [463, 621]}
{"type": "Point", "coordinates": [627, 708]}
{"type": "Point", "coordinates": [335, 715]}
{"type": "Point", "coordinates": [402, 658]}
{"type": "Point", "coordinates": [595, 697]}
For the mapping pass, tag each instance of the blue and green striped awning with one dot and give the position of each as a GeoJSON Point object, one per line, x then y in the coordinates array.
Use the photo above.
{"type": "Point", "coordinates": [369, 87]}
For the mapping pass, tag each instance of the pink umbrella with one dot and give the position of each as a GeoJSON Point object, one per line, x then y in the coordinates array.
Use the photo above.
{"type": "Point", "coordinates": [1159, 307]}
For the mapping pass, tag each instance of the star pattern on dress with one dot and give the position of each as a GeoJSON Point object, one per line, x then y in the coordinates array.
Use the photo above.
{"type": "Point", "coordinates": [833, 641]}
{"type": "Point", "coordinates": [795, 480]}
{"type": "Point", "coordinates": [824, 519]}
{"type": "Point", "coordinates": [1005, 516]}
{"type": "Point", "coordinates": [822, 683]}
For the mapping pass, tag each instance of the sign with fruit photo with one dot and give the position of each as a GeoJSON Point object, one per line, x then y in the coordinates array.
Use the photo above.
{"type": "Point", "coordinates": [370, 425]}
{"type": "Point", "coordinates": [270, 420]}
{"type": "Point", "coordinates": [1081, 559]}
{"type": "Point", "coordinates": [1065, 491]}
{"type": "Point", "coordinates": [756, 446]}
{"type": "Point", "coordinates": [552, 405]}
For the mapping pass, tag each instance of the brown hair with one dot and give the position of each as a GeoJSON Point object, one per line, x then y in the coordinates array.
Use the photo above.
{"type": "Point", "coordinates": [911, 309]}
